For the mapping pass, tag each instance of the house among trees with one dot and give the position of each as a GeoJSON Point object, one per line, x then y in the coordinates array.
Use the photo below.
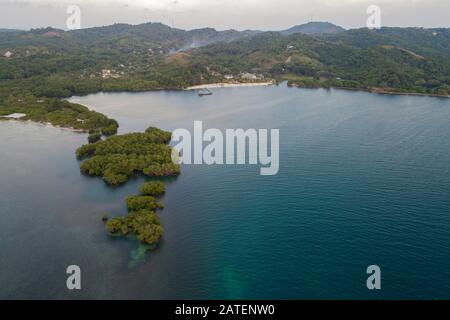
{"type": "Point", "coordinates": [106, 73]}
{"type": "Point", "coordinates": [7, 54]}
{"type": "Point", "coordinates": [249, 76]}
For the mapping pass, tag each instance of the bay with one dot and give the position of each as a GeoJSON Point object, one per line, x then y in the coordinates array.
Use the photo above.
{"type": "Point", "coordinates": [364, 179]}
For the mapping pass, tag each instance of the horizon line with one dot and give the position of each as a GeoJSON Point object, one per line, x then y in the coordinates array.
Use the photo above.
{"type": "Point", "coordinates": [208, 27]}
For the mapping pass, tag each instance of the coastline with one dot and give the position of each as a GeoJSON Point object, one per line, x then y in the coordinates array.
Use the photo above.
{"type": "Point", "coordinates": [16, 116]}
{"type": "Point", "coordinates": [399, 93]}
{"type": "Point", "coordinates": [43, 124]}
{"type": "Point", "coordinates": [219, 85]}
{"type": "Point", "coordinates": [50, 125]}
{"type": "Point", "coordinates": [376, 91]}
{"type": "Point", "coordinates": [229, 85]}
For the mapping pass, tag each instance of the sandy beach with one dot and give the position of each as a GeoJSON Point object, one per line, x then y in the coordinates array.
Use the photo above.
{"type": "Point", "coordinates": [230, 85]}
{"type": "Point", "coordinates": [44, 124]}
{"type": "Point", "coordinates": [14, 116]}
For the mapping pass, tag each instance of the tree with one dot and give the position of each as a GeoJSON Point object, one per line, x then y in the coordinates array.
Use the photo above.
{"type": "Point", "coordinates": [152, 188]}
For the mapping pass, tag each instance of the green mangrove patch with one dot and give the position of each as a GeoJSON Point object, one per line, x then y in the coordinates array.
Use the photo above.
{"type": "Point", "coordinates": [118, 157]}
{"type": "Point", "coordinates": [152, 188]}
{"type": "Point", "coordinates": [141, 219]}
{"type": "Point", "coordinates": [136, 203]}
{"type": "Point", "coordinates": [145, 224]}
{"type": "Point", "coordinates": [59, 113]}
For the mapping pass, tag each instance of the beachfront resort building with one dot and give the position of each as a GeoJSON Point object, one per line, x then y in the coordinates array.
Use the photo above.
{"type": "Point", "coordinates": [251, 76]}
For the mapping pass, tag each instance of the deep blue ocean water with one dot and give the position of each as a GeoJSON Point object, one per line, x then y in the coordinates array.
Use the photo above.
{"type": "Point", "coordinates": [364, 179]}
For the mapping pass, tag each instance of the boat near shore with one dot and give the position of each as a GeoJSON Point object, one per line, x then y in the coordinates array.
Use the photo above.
{"type": "Point", "coordinates": [204, 92]}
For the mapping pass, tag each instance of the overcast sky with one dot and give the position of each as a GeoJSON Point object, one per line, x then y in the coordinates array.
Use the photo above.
{"type": "Point", "coordinates": [223, 14]}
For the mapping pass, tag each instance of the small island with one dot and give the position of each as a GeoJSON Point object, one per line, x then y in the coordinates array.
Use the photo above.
{"type": "Point", "coordinates": [152, 188]}
{"type": "Point", "coordinates": [117, 158]}
{"type": "Point", "coordinates": [145, 224]}
{"type": "Point", "coordinates": [141, 219]}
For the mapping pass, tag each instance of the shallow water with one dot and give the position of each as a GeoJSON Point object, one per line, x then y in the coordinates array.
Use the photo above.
{"type": "Point", "coordinates": [364, 179]}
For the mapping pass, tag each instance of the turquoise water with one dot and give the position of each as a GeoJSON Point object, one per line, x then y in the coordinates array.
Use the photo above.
{"type": "Point", "coordinates": [364, 179]}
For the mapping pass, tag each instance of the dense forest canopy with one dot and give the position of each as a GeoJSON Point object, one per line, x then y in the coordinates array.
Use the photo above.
{"type": "Point", "coordinates": [117, 158]}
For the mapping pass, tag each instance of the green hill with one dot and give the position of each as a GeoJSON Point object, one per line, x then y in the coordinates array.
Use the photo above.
{"type": "Point", "coordinates": [390, 59]}
{"type": "Point", "coordinates": [314, 28]}
{"type": "Point", "coordinates": [56, 63]}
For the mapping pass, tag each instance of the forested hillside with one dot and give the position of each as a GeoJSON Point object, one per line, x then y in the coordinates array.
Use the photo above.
{"type": "Point", "coordinates": [391, 59]}
{"type": "Point", "coordinates": [314, 28]}
{"type": "Point", "coordinates": [55, 63]}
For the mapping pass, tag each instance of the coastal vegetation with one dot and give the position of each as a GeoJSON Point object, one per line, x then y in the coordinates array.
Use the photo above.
{"type": "Point", "coordinates": [141, 202]}
{"type": "Point", "coordinates": [94, 137]}
{"type": "Point", "coordinates": [152, 188]}
{"type": "Point", "coordinates": [118, 157]}
{"type": "Point", "coordinates": [145, 224]}
{"type": "Point", "coordinates": [141, 219]}
{"type": "Point", "coordinates": [59, 113]}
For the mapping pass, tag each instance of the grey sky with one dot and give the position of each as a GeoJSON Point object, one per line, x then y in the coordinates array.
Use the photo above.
{"type": "Point", "coordinates": [224, 14]}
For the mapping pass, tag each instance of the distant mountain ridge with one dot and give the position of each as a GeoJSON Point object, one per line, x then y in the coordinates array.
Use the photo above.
{"type": "Point", "coordinates": [149, 35]}
{"type": "Point", "coordinates": [125, 36]}
{"type": "Point", "coordinates": [314, 28]}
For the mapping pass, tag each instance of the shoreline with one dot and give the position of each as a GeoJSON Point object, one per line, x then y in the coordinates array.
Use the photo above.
{"type": "Point", "coordinates": [220, 85]}
{"type": "Point", "coordinates": [44, 124]}
{"type": "Point", "coordinates": [229, 85]}
{"type": "Point", "coordinates": [394, 93]}
{"type": "Point", "coordinates": [14, 116]}
{"type": "Point", "coordinates": [414, 94]}
{"type": "Point", "coordinates": [377, 91]}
